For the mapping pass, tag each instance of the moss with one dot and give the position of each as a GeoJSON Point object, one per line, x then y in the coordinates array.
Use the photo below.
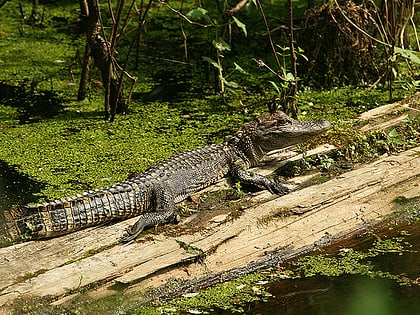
{"type": "Point", "coordinates": [76, 150]}
{"type": "Point", "coordinates": [29, 275]}
{"type": "Point", "coordinates": [235, 295]}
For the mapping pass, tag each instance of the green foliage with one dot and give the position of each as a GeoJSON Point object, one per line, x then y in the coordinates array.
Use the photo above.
{"type": "Point", "coordinates": [241, 25]}
{"type": "Point", "coordinates": [93, 153]}
{"type": "Point", "coordinates": [408, 54]}
{"type": "Point", "coordinates": [198, 13]}
{"type": "Point", "coordinates": [221, 46]}
{"type": "Point", "coordinates": [237, 188]}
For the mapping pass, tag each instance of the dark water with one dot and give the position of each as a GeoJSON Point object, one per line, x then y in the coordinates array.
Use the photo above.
{"type": "Point", "coordinates": [345, 295]}
{"type": "Point", "coordinates": [352, 294]}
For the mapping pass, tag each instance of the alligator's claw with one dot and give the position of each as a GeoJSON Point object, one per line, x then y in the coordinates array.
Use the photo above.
{"type": "Point", "coordinates": [132, 232]}
{"type": "Point", "coordinates": [278, 189]}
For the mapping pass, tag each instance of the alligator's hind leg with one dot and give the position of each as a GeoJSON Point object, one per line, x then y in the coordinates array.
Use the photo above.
{"type": "Point", "coordinates": [164, 211]}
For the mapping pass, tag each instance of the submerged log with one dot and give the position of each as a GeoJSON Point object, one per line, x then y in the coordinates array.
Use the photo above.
{"type": "Point", "coordinates": [287, 224]}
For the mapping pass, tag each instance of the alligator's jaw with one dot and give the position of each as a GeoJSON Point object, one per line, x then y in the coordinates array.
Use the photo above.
{"type": "Point", "coordinates": [301, 130]}
{"type": "Point", "coordinates": [279, 131]}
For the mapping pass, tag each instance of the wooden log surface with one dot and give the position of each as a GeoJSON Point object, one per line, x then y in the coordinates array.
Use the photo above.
{"type": "Point", "coordinates": [56, 266]}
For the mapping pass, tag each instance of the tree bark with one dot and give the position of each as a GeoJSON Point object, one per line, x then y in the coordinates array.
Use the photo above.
{"type": "Point", "coordinates": [293, 85]}
{"type": "Point", "coordinates": [84, 78]}
{"type": "Point", "coordinates": [99, 48]}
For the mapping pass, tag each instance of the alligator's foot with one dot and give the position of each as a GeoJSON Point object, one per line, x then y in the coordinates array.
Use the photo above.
{"type": "Point", "coordinates": [132, 232]}
{"type": "Point", "coordinates": [278, 189]}
{"type": "Point", "coordinates": [145, 221]}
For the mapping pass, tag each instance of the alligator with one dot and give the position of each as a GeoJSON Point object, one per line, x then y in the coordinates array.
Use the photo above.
{"type": "Point", "coordinates": [152, 195]}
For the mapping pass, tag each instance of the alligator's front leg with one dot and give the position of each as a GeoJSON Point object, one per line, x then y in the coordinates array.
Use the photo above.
{"type": "Point", "coordinates": [164, 211]}
{"type": "Point", "coordinates": [246, 177]}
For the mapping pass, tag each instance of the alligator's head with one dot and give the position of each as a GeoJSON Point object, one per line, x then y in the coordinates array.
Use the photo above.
{"type": "Point", "coordinates": [277, 130]}
{"type": "Point", "coordinates": [274, 131]}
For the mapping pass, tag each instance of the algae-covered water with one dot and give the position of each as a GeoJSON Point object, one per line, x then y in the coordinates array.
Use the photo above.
{"type": "Point", "coordinates": [370, 294]}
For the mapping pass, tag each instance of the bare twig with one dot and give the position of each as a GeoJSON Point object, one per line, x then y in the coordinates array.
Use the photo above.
{"type": "Point", "coordinates": [261, 63]}
{"type": "Point", "coordinates": [358, 27]}
{"type": "Point", "coordinates": [237, 7]}
{"type": "Point", "coordinates": [183, 15]}
{"type": "Point", "coordinates": [291, 104]}
{"type": "Point", "coordinates": [273, 49]}
{"type": "Point", "coordinates": [415, 33]}
{"type": "Point", "coordinates": [184, 35]}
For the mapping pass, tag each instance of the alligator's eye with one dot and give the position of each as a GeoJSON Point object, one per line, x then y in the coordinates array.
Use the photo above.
{"type": "Point", "coordinates": [270, 124]}
{"type": "Point", "coordinates": [282, 121]}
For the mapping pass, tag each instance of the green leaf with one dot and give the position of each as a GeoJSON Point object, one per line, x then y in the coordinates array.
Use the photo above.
{"type": "Point", "coordinates": [239, 68]}
{"type": "Point", "coordinates": [198, 13]}
{"type": "Point", "coordinates": [275, 86]}
{"type": "Point", "coordinates": [241, 25]}
{"type": "Point", "coordinates": [231, 84]}
{"type": "Point", "coordinates": [300, 52]}
{"type": "Point", "coordinates": [212, 62]}
{"type": "Point", "coordinates": [393, 133]}
{"type": "Point", "coordinates": [407, 53]}
{"type": "Point", "coordinates": [290, 77]}
{"type": "Point", "coordinates": [283, 48]}
{"type": "Point", "coordinates": [221, 45]}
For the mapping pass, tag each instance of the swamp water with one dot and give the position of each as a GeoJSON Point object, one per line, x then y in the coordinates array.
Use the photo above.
{"type": "Point", "coordinates": [343, 295]}
{"type": "Point", "coordinates": [353, 294]}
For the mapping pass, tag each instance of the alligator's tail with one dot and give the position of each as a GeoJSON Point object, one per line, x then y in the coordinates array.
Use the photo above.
{"type": "Point", "coordinates": [123, 200]}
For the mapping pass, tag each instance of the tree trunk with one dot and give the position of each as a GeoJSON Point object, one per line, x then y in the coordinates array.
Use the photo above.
{"type": "Point", "coordinates": [293, 85]}
{"type": "Point", "coordinates": [84, 78]}
{"type": "Point", "coordinates": [99, 49]}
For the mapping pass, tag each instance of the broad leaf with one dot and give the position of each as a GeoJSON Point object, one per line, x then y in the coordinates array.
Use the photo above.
{"type": "Point", "coordinates": [407, 53]}
{"type": "Point", "coordinates": [221, 45]}
{"type": "Point", "coordinates": [290, 77]}
{"type": "Point", "coordinates": [212, 62]}
{"type": "Point", "coordinates": [241, 25]}
{"type": "Point", "coordinates": [198, 13]}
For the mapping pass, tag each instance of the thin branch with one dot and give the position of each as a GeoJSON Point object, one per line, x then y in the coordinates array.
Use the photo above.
{"type": "Point", "coordinates": [292, 84]}
{"type": "Point", "coordinates": [125, 23]}
{"type": "Point", "coordinates": [237, 7]}
{"type": "Point", "coordinates": [263, 64]}
{"type": "Point", "coordinates": [358, 28]}
{"type": "Point", "coordinates": [269, 35]}
{"type": "Point", "coordinates": [184, 35]}
{"type": "Point", "coordinates": [415, 33]}
{"type": "Point", "coordinates": [183, 15]}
